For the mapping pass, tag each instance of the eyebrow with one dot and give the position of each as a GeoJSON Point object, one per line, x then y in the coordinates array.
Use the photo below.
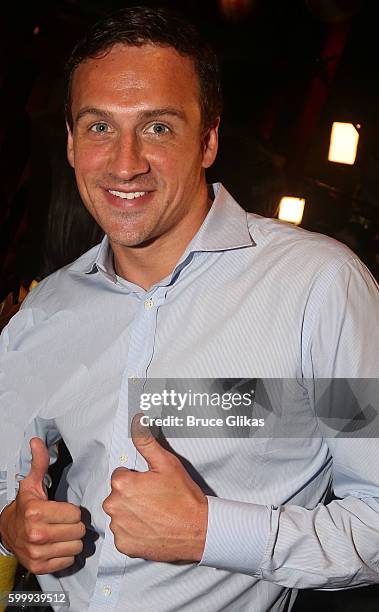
{"type": "Point", "coordinates": [155, 113]}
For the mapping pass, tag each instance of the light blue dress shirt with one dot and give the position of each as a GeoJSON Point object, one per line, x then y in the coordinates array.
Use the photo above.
{"type": "Point", "coordinates": [251, 297]}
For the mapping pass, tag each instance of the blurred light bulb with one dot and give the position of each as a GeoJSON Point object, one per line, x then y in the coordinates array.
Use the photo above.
{"type": "Point", "coordinates": [291, 209]}
{"type": "Point", "coordinates": [343, 143]}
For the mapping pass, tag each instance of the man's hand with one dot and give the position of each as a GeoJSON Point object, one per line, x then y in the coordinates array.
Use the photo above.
{"type": "Point", "coordinates": [44, 535]}
{"type": "Point", "coordinates": [160, 515]}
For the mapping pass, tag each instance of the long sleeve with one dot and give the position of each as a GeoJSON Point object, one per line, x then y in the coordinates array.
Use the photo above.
{"type": "Point", "coordinates": [44, 429]}
{"type": "Point", "coordinates": [21, 396]}
{"type": "Point", "coordinates": [334, 545]}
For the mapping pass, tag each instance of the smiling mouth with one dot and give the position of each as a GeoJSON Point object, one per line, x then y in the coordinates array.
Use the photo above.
{"type": "Point", "coordinates": [132, 195]}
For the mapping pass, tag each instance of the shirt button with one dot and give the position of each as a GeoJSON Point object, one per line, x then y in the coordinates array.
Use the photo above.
{"type": "Point", "coordinates": [107, 591]}
{"type": "Point", "coordinates": [149, 303]}
{"type": "Point", "coordinates": [123, 458]}
{"type": "Point", "coordinates": [133, 379]}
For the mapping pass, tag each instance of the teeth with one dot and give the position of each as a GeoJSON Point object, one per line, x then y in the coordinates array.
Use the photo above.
{"type": "Point", "coordinates": [127, 196]}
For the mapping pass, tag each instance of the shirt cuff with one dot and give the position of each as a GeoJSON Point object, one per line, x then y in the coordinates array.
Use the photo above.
{"type": "Point", "coordinates": [237, 535]}
{"type": "Point", "coordinates": [4, 552]}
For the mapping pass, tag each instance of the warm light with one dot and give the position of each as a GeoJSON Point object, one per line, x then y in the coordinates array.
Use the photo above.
{"type": "Point", "coordinates": [291, 209]}
{"type": "Point", "coordinates": [36, 30]}
{"type": "Point", "coordinates": [236, 8]}
{"type": "Point", "coordinates": [343, 143]}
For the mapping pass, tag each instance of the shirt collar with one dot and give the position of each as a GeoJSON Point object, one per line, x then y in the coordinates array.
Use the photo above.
{"type": "Point", "coordinates": [224, 228]}
{"type": "Point", "coordinates": [103, 260]}
{"type": "Point", "coordinates": [100, 257]}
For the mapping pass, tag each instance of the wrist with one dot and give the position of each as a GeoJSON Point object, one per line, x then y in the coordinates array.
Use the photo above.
{"type": "Point", "coordinates": [201, 531]}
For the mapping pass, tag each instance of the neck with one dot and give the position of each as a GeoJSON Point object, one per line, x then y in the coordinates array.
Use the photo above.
{"type": "Point", "coordinates": [147, 264]}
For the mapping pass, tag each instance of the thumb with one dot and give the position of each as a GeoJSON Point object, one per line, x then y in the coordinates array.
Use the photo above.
{"type": "Point", "coordinates": [38, 467]}
{"type": "Point", "coordinates": [146, 444]}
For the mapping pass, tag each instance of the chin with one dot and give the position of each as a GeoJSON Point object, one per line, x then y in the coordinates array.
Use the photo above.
{"type": "Point", "coordinates": [127, 239]}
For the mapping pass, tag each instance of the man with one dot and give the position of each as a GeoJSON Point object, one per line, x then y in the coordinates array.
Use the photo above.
{"type": "Point", "coordinates": [182, 288]}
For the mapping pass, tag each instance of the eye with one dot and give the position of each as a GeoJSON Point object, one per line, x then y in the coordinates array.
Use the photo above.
{"type": "Point", "coordinates": [158, 129]}
{"type": "Point", "coordinates": [99, 128]}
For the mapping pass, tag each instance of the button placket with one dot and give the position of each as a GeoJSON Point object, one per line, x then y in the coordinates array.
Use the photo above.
{"type": "Point", "coordinates": [141, 344]}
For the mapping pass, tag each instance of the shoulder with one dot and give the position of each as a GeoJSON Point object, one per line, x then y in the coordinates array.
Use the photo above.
{"type": "Point", "coordinates": [61, 283]}
{"type": "Point", "coordinates": [309, 253]}
{"type": "Point", "coordinates": [316, 268]}
{"type": "Point", "coordinates": [58, 297]}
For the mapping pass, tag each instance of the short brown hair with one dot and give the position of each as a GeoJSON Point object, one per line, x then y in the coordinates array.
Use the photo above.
{"type": "Point", "coordinates": [137, 26]}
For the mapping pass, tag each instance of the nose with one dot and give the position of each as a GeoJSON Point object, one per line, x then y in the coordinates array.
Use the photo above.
{"type": "Point", "coordinates": [127, 159]}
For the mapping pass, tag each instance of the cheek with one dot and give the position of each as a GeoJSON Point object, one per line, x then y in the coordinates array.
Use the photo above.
{"type": "Point", "coordinates": [85, 175]}
{"type": "Point", "coordinates": [89, 159]}
{"type": "Point", "coordinates": [176, 167]}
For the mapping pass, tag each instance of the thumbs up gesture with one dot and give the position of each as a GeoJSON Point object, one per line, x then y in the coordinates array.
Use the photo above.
{"type": "Point", "coordinates": [161, 514]}
{"type": "Point", "coordinates": [44, 535]}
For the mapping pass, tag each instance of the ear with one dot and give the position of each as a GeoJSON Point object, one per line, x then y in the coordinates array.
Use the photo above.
{"type": "Point", "coordinates": [210, 144]}
{"type": "Point", "coordinates": [70, 146]}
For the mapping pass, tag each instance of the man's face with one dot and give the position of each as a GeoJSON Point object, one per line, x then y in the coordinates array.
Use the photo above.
{"type": "Point", "coordinates": [137, 144]}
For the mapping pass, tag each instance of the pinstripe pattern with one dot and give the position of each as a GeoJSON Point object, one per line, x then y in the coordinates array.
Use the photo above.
{"type": "Point", "coordinates": [250, 297]}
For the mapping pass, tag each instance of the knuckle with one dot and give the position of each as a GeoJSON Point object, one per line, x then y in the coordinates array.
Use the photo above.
{"type": "Point", "coordinates": [108, 506]}
{"type": "Point", "coordinates": [33, 535]}
{"type": "Point", "coordinates": [37, 567]}
{"type": "Point", "coordinates": [82, 530]}
{"type": "Point", "coordinates": [115, 482]}
{"type": "Point", "coordinates": [126, 547]}
{"type": "Point", "coordinates": [32, 512]}
{"type": "Point", "coordinates": [28, 533]}
{"type": "Point", "coordinates": [34, 554]}
{"type": "Point", "coordinates": [118, 478]}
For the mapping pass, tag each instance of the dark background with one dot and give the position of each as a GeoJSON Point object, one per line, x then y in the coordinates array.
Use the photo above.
{"type": "Point", "coordinates": [289, 69]}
